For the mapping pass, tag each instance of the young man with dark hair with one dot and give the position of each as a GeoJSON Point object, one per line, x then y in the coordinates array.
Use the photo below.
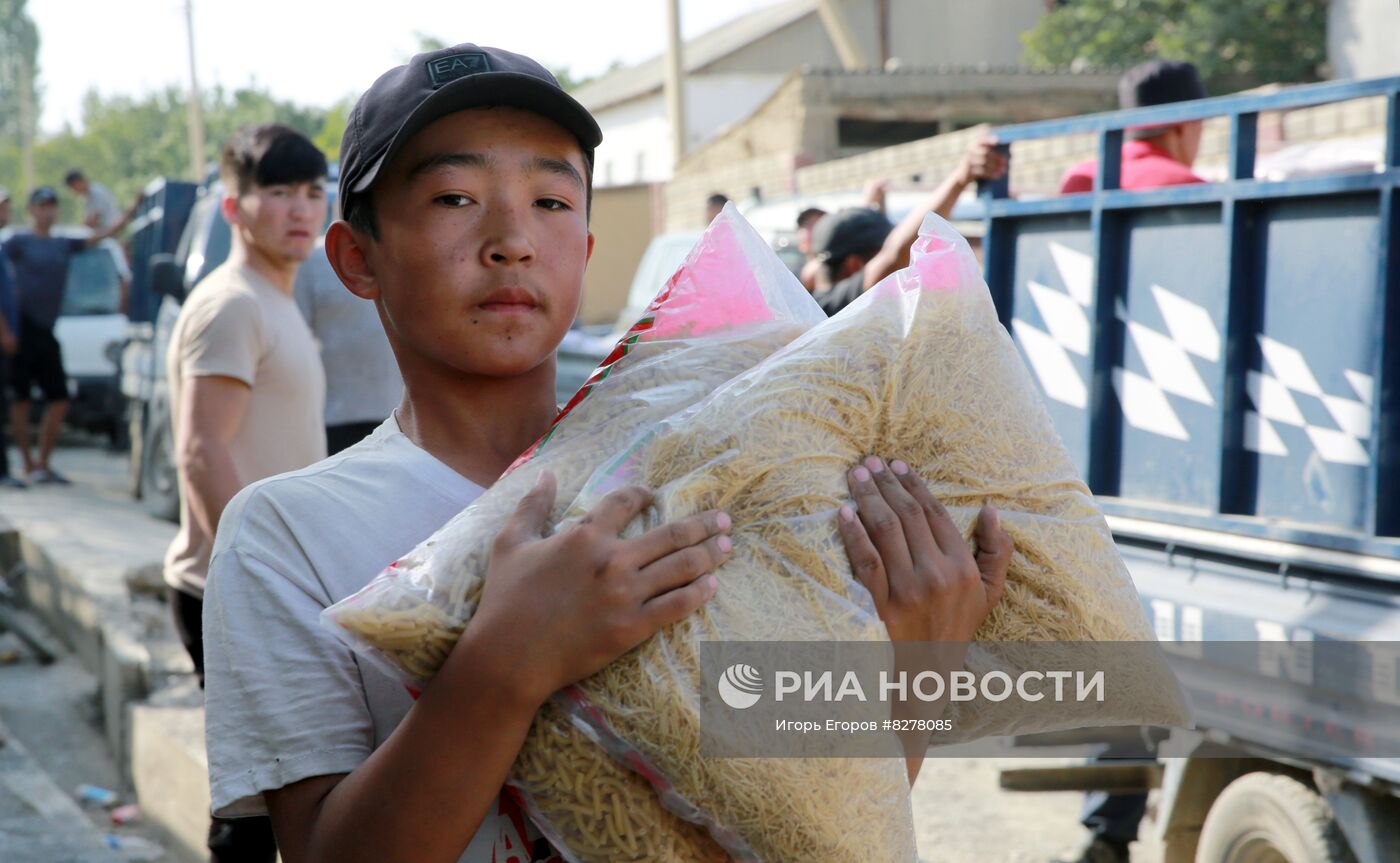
{"type": "Point", "coordinates": [40, 262]}
{"type": "Point", "coordinates": [465, 180]}
{"type": "Point", "coordinates": [1153, 156]}
{"type": "Point", "coordinates": [245, 379]}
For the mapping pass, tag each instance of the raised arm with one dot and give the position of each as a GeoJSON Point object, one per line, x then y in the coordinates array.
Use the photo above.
{"type": "Point", "coordinates": [981, 162]}
{"type": "Point", "coordinates": [115, 228]}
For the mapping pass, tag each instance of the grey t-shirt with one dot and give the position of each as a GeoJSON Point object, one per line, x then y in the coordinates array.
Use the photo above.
{"type": "Point", "coordinates": [362, 379]}
{"type": "Point", "coordinates": [41, 271]}
{"type": "Point", "coordinates": [101, 201]}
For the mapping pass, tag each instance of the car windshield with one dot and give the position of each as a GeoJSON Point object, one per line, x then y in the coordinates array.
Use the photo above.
{"type": "Point", "coordinates": [93, 286]}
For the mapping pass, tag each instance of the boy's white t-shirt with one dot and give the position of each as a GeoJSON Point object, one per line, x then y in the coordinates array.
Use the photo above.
{"type": "Point", "coordinates": [284, 699]}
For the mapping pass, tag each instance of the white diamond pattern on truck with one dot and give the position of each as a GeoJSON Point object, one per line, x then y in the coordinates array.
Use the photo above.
{"type": "Point", "coordinates": [1276, 396]}
{"type": "Point", "coordinates": [1170, 360]}
{"type": "Point", "coordinates": [1166, 357]}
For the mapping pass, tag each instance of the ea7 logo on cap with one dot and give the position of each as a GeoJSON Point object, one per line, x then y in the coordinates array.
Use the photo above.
{"type": "Point", "coordinates": [454, 66]}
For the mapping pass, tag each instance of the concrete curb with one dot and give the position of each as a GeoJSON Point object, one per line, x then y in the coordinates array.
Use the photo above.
{"type": "Point", "coordinates": [88, 566]}
{"type": "Point", "coordinates": [38, 822]}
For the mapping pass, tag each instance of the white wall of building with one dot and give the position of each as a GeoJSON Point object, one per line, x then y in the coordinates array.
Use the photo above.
{"type": "Point", "coordinates": [961, 33]}
{"type": "Point", "coordinates": [1363, 38]}
{"type": "Point", "coordinates": [636, 144]}
{"type": "Point", "coordinates": [636, 137]}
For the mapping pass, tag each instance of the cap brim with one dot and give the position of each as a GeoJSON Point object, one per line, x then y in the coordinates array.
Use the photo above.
{"type": "Point", "coordinates": [510, 89]}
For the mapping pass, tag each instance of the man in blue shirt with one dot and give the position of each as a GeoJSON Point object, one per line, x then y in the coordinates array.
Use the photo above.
{"type": "Point", "coordinates": [40, 266]}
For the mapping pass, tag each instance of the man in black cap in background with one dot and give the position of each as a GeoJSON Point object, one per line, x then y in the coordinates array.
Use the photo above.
{"type": "Point", "coordinates": [1153, 156]}
{"type": "Point", "coordinates": [853, 249]}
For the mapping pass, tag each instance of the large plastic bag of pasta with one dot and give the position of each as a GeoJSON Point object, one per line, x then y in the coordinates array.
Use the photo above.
{"type": "Point", "coordinates": [919, 368]}
{"type": "Point", "coordinates": [730, 304]}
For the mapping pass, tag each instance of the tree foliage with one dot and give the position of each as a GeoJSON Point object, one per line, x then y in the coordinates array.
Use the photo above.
{"type": "Point", "coordinates": [127, 141]}
{"type": "Point", "coordinates": [1236, 44]}
{"type": "Point", "coordinates": [19, 53]}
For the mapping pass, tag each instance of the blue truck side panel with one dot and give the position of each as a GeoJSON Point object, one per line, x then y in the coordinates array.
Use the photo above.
{"type": "Point", "coordinates": [1313, 384]}
{"type": "Point", "coordinates": [1168, 387]}
{"type": "Point", "coordinates": [160, 218]}
{"type": "Point", "coordinates": [1222, 352]}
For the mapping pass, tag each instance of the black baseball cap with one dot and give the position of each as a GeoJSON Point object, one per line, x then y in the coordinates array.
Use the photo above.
{"type": "Point", "coordinates": [436, 83]}
{"type": "Point", "coordinates": [852, 231]}
{"type": "Point", "coordinates": [1160, 82]}
{"type": "Point", "coordinates": [43, 195]}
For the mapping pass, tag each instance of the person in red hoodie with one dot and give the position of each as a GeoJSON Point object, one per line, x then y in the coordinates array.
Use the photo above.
{"type": "Point", "coordinates": [1153, 156]}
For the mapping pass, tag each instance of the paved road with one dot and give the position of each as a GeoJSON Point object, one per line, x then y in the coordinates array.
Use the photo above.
{"type": "Point", "coordinates": [961, 815]}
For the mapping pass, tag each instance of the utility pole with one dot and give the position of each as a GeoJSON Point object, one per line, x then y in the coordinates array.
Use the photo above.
{"type": "Point", "coordinates": [839, 29]}
{"type": "Point", "coordinates": [196, 107]}
{"type": "Point", "coordinates": [882, 21]}
{"type": "Point", "coordinates": [26, 118]}
{"type": "Point", "coordinates": [675, 80]}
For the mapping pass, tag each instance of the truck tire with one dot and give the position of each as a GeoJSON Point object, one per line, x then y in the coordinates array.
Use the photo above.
{"type": "Point", "coordinates": [160, 489]}
{"type": "Point", "coordinates": [1270, 818]}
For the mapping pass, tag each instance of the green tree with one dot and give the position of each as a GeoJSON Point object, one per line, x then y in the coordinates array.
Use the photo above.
{"type": "Point", "coordinates": [1236, 44]}
{"type": "Point", "coordinates": [127, 141]}
{"type": "Point", "coordinates": [333, 128]}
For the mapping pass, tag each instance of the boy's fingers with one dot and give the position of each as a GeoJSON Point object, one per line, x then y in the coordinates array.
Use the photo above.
{"type": "Point", "coordinates": [619, 507]}
{"type": "Point", "coordinates": [532, 513]}
{"type": "Point", "coordinates": [945, 532]}
{"type": "Point", "coordinates": [865, 560]}
{"type": "Point", "coordinates": [657, 543]}
{"type": "Point", "coordinates": [681, 567]}
{"type": "Point", "coordinates": [882, 525]}
{"type": "Point", "coordinates": [674, 605]}
{"type": "Point", "coordinates": [917, 535]}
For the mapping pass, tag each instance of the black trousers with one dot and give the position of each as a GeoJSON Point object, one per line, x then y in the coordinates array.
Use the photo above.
{"type": "Point", "coordinates": [231, 840]}
{"type": "Point", "coordinates": [1114, 817]}
{"type": "Point", "coordinates": [4, 413]}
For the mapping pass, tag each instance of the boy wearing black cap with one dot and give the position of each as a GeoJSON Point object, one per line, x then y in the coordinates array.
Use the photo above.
{"type": "Point", "coordinates": [1154, 156]}
{"type": "Point", "coordinates": [853, 249]}
{"type": "Point", "coordinates": [465, 183]}
{"type": "Point", "coordinates": [40, 263]}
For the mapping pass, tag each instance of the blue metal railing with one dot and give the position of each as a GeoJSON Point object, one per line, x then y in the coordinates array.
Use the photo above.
{"type": "Point", "coordinates": [1240, 199]}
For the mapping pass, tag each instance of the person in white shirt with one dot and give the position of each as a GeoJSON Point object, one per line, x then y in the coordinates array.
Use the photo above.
{"type": "Point", "coordinates": [363, 385]}
{"type": "Point", "coordinates": [100, 208]}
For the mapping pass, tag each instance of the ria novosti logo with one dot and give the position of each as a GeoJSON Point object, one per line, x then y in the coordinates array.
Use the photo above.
{"type": "Point", "coordinates": [740, 686]}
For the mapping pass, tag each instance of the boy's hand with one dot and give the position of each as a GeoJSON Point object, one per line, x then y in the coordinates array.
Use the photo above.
{"type": "Point", "coordinates": [560, 608]}
{"type": "Point", "coordinates": [905, 549]}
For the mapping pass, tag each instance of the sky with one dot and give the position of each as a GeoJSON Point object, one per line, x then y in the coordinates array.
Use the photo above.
{"type": "Point", "coordinates": [314, 52]}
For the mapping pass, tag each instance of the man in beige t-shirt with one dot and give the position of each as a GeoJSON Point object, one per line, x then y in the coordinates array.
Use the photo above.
{"type": "Point", "coordinates": [247, 390]}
